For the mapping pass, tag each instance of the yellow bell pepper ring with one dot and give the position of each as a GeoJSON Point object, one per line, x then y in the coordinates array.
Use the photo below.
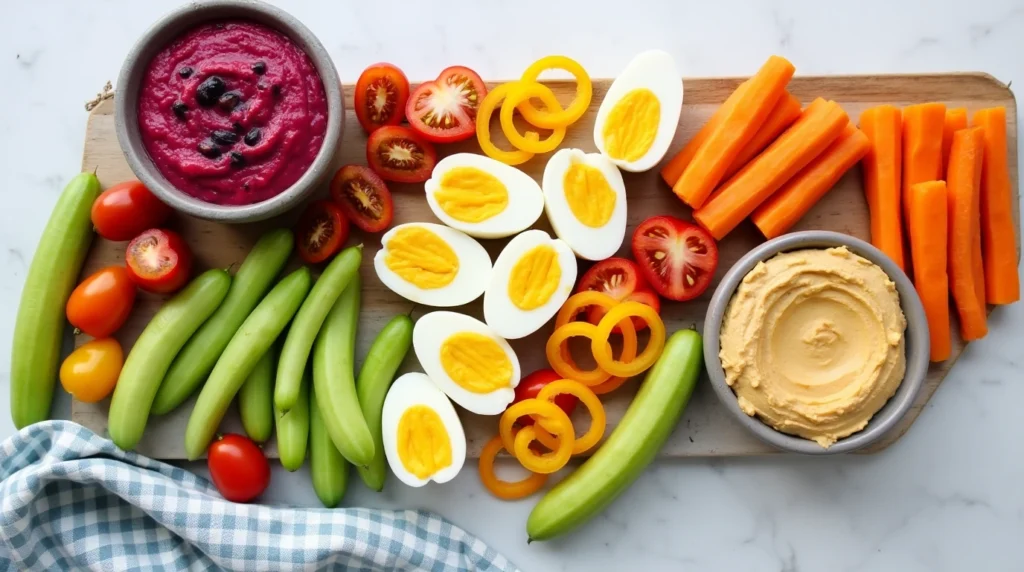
{"type": "Point", "coordinates": [546, 463]}
{"type": "Point", "coordinates": [563, 118]}
{"type": "Point", "coordinates": [520, 92]}
{"type": "Point", "coordinates": [598, 418]}
{"type": "Point", "coordinates": [562, 362]}
{"type": "Point", "coordinates": [483, 129]}
{"type": "Point", "coordinates": [506, 490]}
{"type": "Point", "coordinates": [655, 344]}
{"type": "Point", "coordinates": [556, 419]}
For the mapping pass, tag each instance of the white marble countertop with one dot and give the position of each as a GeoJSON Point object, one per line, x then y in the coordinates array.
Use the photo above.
{"type": "Point", "coordinates": [948, 496]}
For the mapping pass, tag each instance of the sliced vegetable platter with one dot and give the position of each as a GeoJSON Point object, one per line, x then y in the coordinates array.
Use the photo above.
{"type": "Point", "coordinates": [706, 429]}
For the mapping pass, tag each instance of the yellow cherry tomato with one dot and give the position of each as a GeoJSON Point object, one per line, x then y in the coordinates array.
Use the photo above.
{"type": "Point", "coordinates": [598, 419]}
{"type": "Point", "coordinates": [90, 372]}
{"type": "Point", "coordinates": [506, 490]}
{"type": "Point", "coordinates": [522, 91]}
{"type": "Point", "coordinates": [483, 128]}
{"type": "Point", "coordinates": [620, 315]}
{"type": "Point", "coordinates": [552, 119]}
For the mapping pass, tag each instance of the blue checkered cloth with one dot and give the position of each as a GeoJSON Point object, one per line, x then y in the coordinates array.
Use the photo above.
{"type": "Point", "coordinates": [71, 500]}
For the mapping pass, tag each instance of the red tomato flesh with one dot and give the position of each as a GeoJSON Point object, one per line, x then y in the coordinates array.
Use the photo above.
{"type": "Point", "coordinates": [159, 261]}
{"type": "Point", "coordinates": [321, 232]}
{"type": "Point", "coordinates": [531, 385]}
{"type": "Point", "coordinates": [380, 96]}
{"type": "Point", "coordinates": [678, 258]}
{"type": "Point", "coordinates": [238, 468]}
{"type": "Point", "coordinates": [621, 279]}
{"type": "Point", "coordinates": [126, 209]}
{"type": "Point", "coordinates": [363, 197]}
{"type": "Point", "coordinates": [444, 110]}
{"type": "Point", "coordinates": [399, 154]}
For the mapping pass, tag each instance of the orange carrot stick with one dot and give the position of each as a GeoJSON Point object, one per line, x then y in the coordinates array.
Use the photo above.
{"type": "Point", "coordinates": [785, 112]}
{"type": "Point", "coordinates": [783, 209]}
{"type": "Point", "coordinates": [882, 178]}
{"type": "Point", "coordinates": [927, 208]}
{"type": "Point", "coordinates": [738, 127]}
{"type": "Point", "coordinates": [998, 233]}
{"type": "Point", "coordinates": [956, 119]}
{"type": "Point", "coordinates": [922, 147]}
{"type": "Point", "coordinates": [819, 125]}
{"type": "Point", "coordinates": [963, 187]}
{"type": "Point", "coordinates": [672, 170]}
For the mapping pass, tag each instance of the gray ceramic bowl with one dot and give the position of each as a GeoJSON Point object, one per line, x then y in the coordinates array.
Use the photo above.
{"type": "Point", "coordinates": [917, 344]}
{"type": "Point", "coordinates": [166, 29]}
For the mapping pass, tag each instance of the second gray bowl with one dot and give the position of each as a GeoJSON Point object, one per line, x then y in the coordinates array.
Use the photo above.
{"type": "Point", "coordinates": [917, 343]}
{"type": "Point", "coordinates": [159, 35]}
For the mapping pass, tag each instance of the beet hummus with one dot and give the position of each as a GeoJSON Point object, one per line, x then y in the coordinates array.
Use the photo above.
{"type": "Point", "coordinates": [232, 112]}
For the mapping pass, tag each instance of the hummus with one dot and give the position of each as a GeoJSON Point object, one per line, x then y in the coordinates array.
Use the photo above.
{"type": "Point", "coordinates": [232, 112]}
{"type": "Point", "coordinates": [812, 343]}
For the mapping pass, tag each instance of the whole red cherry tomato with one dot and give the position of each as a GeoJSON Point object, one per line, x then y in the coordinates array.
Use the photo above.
{"type": "Point", "coordinates": [238, 468]}
{"type": "Point", "coordinates": [531, 385]}
{"type": "Point", "coordinates": [126, 209]}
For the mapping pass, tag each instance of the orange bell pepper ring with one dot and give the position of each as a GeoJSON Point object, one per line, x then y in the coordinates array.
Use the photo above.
{"type": "Point", "coordinates": [655, 345]}
{"type": "Point", "coordinates": [562, 118]}
{"type": "Point", "coordinates": [598, 418]}
{"type": "Point", "coordinates": [483, 129]}
{"type": "Point", "coordinates": [506, 490]}
{"type": "Point", "coordinates": [519, 444]}
{"type": "Point", "coordinates": [558, 352]}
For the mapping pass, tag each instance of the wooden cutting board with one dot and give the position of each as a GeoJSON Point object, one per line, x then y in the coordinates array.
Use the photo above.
{"type": "Point", "coordinates": [706, 429]}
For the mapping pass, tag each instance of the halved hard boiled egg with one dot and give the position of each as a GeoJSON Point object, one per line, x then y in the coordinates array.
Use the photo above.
{"type": "Point", "coordinates": [532, 278]}
{"type": "Point", "coordinates": [483, 197]}
{"type": "Point", "coordinates": [423, 436]}
{"type": "Point", "coordinates": [467, 360]}
{"type": "Point", "coordinates": [432, 264]}
{"type": "Point", "coordinates": [585, 199]}
{"type": "Point", "coordinates": [639, 115]}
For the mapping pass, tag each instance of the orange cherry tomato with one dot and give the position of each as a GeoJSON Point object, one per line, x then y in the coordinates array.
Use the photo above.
{"type": "Point", "coordinates": [102, 302]}
{"type": "Point", "coordinates": [90, 372]}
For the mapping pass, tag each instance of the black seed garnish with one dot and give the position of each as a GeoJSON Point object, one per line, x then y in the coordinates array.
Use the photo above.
{"type": "Point", "coordinates": [229, 100]}
{"type": "Point", "coordinates": [185, 72]}
{"type": "Point", "coordinates": [253, 136]}
{"type": "Point", "coordinates": [208, 149]}
{"type": "Point", "coordinates": [276, 90]}
{"type": "Point", "coordinates": [237, 160]}
{"type": "Point", "coordinates": [179, 108]}
{"type": "Point", "coordinates": [210, 90]}
{"type": "Point", "coordinates": [261, 85]}
{"type": "Point", "coordinates": [259, 68]}
{"type": "Point", "coordinates": [224, 137]}
{"type": "Point", "coordinates": [238, 127]}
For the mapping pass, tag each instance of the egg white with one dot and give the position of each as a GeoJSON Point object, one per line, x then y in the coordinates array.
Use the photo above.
{"type": "Point", "coordinates": [525, 199]}
{"type": "Point", "coordinates": [469, 283]}
{"type": "Point", "coordinates": [504, 317]}
{"type": "Point", "coordinates": [655, 70]}
{"type": "Point", "coordinates": [410, 390]}
{"type": "Point", "coordinates": [590, 243]}
{"type": "Point", "coordinates": [430, 332]}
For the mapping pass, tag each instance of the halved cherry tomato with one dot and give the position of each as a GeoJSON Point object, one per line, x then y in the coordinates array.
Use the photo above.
{"type": "Point", "coordinates": [399, 154]}
{"type": "Point", "coordinates": [126, 209]}
{"type": "Point", "coordinates": [238, 468]}
{"type": "Point", "coordinates": [90, 372]}
{"type": "Point", "coordinates": [363, 197]}
{"type": "Point", "coordinates": [381, 94]}
{"type": "Point", "coordinates": [529, 387]}
{"type": "Point", "coordinates": [444, 110]}
{"type": "Point", "coordinates": [677, 258]}
{"type": "Point", "coordinates": [321, 232]}
{"type": "Point", "coordinates": [102, 302]}
{"type": "Point", "coordinates": [158, 261]}
{"type": "Point", "coordinates": [621, 279]}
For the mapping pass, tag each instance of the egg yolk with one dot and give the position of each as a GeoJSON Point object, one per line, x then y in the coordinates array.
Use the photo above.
{"type": "Point", "coordinates": [422, 258]}
{"type": "Point", "coordinates": [476, 362]}
{"type": "Point", "coordinates": [632, 125]}
{"type": "Point", "coordinates": [469, 194]}
{"type": "Point", "coordinates": [588, 194]}
{"type": "Point", "coordinates": [534, 278]}
{"type": "Point", "coordinates": [423, 443]}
